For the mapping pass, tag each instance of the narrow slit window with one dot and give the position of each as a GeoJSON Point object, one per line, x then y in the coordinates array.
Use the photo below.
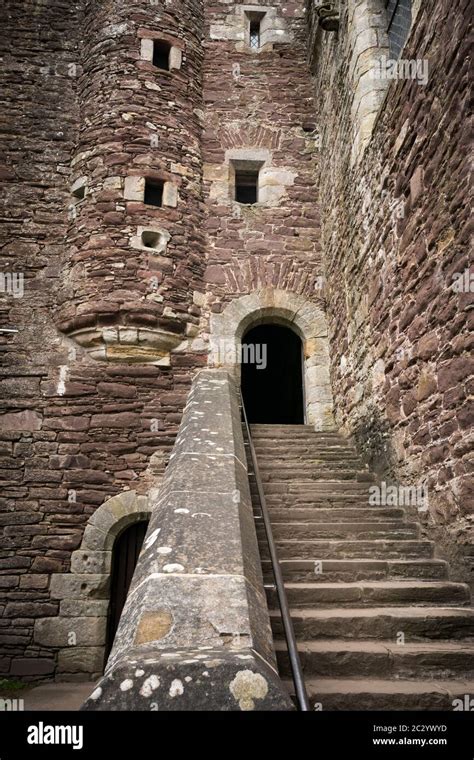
{"type": "Point", "coordinates": [161, 55]}
{"type": "Point", "coordinates": [246, 186]}
{"type": "Point", "coordinates": [255, 34]}
{"type": "Point", "coordinates": [153, 192]}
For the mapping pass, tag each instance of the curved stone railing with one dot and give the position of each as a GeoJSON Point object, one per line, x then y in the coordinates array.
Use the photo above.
{"type": "Point", "coordinates": [195, 632]}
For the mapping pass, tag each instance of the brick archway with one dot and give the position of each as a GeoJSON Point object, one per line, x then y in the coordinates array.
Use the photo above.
{"type": "Point", "coordinates": [305, 317]}
{"type": "Point", "coordinates": [79, 631]}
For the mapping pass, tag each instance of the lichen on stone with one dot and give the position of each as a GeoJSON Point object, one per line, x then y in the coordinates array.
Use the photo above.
{"type": "Point", "coordinates": [247, 687]}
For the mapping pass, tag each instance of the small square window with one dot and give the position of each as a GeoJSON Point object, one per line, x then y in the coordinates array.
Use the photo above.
{"type": "Point", "coordinates": [246, 187]}
{"type": "Point", "coordinates": [161, 55]}
{"type": "Point", "coordinates": [153, 192]}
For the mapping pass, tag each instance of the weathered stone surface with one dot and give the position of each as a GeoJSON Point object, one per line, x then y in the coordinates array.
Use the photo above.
{"type": "Point", "coordinates": [194, 559]}
{"type": "Point", "coordinates": [196, 679]}
{"type": "Point", "coordinates": [81, 660]}
{"type": "Point", "coordinates": [397, 247]}
{"type": "Point", "coordinates": [32, 666]}
{"type": "Point", "coordinates": [78, 586]}
{"type": "Point", "coordinates": [62, 632]}
{"type": "Point", "coordinates": [91, 410]}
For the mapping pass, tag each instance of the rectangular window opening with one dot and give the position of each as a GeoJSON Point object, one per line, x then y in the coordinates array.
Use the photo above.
{"type": "Point", "coordinates": [161, 55]}
{"type": "Point", "coordinates": [246, 186]}
{"type": "Point", "coordinates": [255, 34]}
{"type": "Point", "coordinates": [153, 192]}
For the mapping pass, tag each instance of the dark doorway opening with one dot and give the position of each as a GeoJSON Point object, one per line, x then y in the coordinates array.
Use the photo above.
{"type": "Point", "coordinates": [125, 553]}
{"type": "Point", "coordinates": [272, 376]}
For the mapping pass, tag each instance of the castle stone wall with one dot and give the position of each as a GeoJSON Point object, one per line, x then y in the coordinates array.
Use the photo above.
{"type": "Point", "coordinates": [396, 243]}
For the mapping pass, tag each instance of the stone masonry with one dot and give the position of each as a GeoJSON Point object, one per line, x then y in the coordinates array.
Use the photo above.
{"type": "Point", "coordinates": [394, 188]}
{"type": "Point", "coordinates": [127, 263]}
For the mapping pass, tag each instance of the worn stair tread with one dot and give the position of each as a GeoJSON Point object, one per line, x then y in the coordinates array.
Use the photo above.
{"type": "Point", "coordinates": [304, 516]}
{"type": "Point", "coordinates": [348, 686]}
{"type": "Point", "coordinates": [378, 646]}
{"type": "Point", "coordinates": [350, 562]}
{"type": "Point", "coordinates": [380, 584]}
{"type": "Point", "coordinates": [332, 542]}
{"type": "Point", "coordinates": [350, 613]}
{"type": "Point", "coordinates": [367, 593]}
{"type": "Point", "coordinates": [318, 549]}
{"type": "Point", "coordinates": [380, 658]}
{"type": "Point", "coordinates": [357, 570]}
{"type": "Point", "coordinates": [359, 524]}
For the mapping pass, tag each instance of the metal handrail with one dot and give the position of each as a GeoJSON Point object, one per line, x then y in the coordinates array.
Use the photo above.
{"type": "Point", "coordinates": [295, 662]}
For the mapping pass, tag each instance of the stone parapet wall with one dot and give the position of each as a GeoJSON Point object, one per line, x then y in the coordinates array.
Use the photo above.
{"type": "Point", "coordinates": [195, 632]}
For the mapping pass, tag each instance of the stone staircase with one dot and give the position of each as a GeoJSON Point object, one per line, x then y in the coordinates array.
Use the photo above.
{"type": "Point", "coordinates": [379, 625]}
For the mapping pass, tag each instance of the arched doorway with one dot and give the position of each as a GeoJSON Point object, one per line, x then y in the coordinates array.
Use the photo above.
{"type": "Point", "coordinates": [127, 547]}
{"type": "Point", "coordinates": [272, 376]}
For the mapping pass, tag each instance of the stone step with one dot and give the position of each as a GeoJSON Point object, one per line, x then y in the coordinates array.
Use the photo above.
{"type": "Point", "coordinates": [276, 426]}
{"type": "Point", "coordinates": [307, 463]}
{"type": "Point", "coordinates": [339, 658]}
{"type": "Point", "coordinates": [265, 446]}
{"type": "Point", "coordinates": [331, 501]}
{"type": "Point", "coordinates": [392, 530]}
{"type": "Point", "coordinates": [302, 453]}
{"type": "Point", "coordinates": [340, 514]}
{"type": "Point", "coordinates": [318, 549]}
{"type": "Point", "coordinates": [306, 451]}
{"type": "Point", "coordinates": [374, 614]}
{"type": "Point", "coordinates": [318, 488]}
{"type": "Point", "coordinates": [372, 593]}
{"type": "Point", "coordinates": [414, 623]}
{"type": "Point", "coordinates": [379, 694]}
{"type": "Point", "coordinates": [309, 474]}
{"type": "Point", "coordinates": [352, 570]}
{"type": "Point", "coordinates": [273, 431]}
{"type": "Point", "coordinates": [295, 439]}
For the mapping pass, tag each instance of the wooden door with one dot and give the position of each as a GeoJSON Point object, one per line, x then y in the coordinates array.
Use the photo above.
{"type": "Point", "coordinates": [124, 559]}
